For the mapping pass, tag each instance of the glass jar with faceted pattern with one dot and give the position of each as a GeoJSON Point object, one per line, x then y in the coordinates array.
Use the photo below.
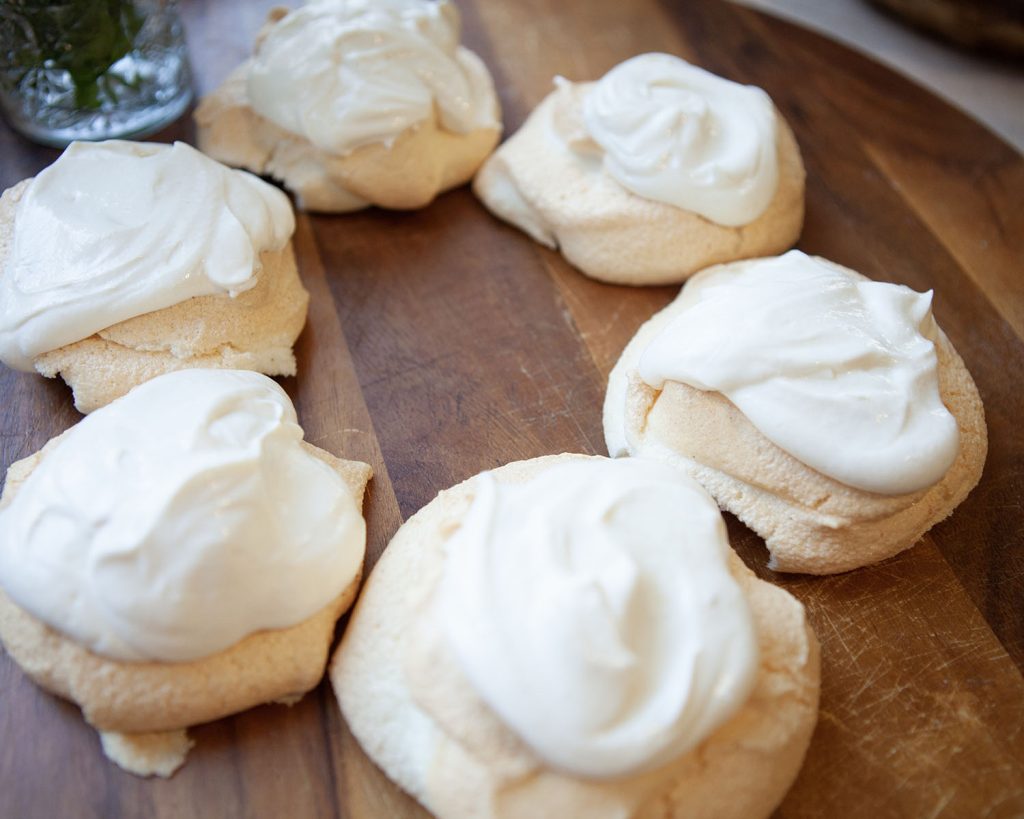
{"type": "Point", "coordinates": [92, 69]}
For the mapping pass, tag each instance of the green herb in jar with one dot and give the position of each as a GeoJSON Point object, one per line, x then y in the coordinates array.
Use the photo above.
{"type": "Point", "coordinates": [83, 37]}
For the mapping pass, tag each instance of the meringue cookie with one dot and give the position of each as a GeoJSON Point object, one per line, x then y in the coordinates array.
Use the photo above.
{"type": "Point", "coordinates": [430, 715]}
{"type": "Point", "coordinates": [123, 260]}
{"type": "Point", "coordinates": [650, 174]}
{"type": "Point", "coordinates": [831, 414]}
{"type": "Point", "coordinates": [352, 103]}
{"type": "Point", "coordinates": [130, 588]}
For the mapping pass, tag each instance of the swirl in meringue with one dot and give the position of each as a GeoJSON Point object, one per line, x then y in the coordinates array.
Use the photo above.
{"type": "Point", "coordinates": [593, 610]}
{"type": "Point", "coordinates": [179, 519]}
{"type": "Point", "coordinates": [839, 371]}
{"type": "Point", "coordinates": [113, 230]}
{"type": "Point", "coordinates": [349, 73]}
{"type": "Point", "coordinates": [677, 134]}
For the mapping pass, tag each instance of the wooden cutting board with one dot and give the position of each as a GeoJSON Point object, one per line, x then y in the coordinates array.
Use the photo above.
{"type": "Point", "coordinates": [443, 342]}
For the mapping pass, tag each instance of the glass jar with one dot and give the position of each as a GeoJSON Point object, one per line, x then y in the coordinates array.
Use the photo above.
{"type": "Point", "coordinates": [92, 69]}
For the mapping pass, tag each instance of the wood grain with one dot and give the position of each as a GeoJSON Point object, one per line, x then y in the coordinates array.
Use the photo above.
{"type": "Point", "coordinates": [443, 342]}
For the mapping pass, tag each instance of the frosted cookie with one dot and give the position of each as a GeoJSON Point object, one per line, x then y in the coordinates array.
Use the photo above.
{"type": "Point", "coordinates": [826, 411]}
{"type": "Point", "coordinates": [179, 555]}
{"type": "Point", "coordinates": [573, 636]}
{"type": "Point", "coordinates": [650, 174]}
{"type": "Point", "coordinates": [354, 103]}
{"type": "Point", "coordinates": [124, 260]}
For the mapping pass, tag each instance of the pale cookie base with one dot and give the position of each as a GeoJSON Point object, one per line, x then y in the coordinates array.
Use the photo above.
{"type": "Point", "coordinates": [569, 202]}
{"type": "Point", "coordinates": [153, 697]}
{"type": "Point", "coordinates": [253, 331]}
{"type": "Point", "coordinates": [422, 162]}
{"type": "Point", "coordinates": [418, 719]}
{"type": "Point", "coordinates": [811, 523]}
{"type": "Point", "coordinates": [147, 754]}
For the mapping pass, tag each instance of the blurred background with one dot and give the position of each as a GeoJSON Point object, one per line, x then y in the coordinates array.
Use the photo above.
{"type": "Point", "coordinates": [970, 52]}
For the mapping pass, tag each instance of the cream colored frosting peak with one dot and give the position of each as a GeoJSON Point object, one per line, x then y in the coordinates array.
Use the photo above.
{"type": "Point", "coordinates": [347, 73]}
{"type": "Point", "coordinates": [177, 520]}
{"type": "Point", "coordinates": [116, 229]}
{"type": "Point", "coordinates": [593, 610]}
{"type": "Point", "coordinates": [677, 134]}
{"type": "Point", "coordinates": [839, 371]}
